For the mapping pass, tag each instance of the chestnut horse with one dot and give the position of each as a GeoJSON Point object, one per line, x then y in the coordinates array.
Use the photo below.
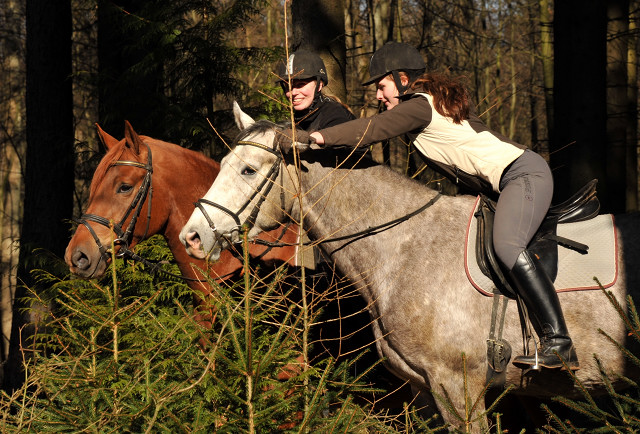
{"type": "Point", "coordinates": [144, 186]}
{"type": "Point", "coordinates": [425, 313]}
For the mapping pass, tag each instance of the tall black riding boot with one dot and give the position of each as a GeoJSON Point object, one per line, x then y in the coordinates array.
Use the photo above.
{"type": "Point", "coordinates": [539, 295]}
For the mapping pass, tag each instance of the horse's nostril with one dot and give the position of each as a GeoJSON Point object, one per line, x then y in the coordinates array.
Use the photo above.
{"type": "Point", "coordinates": [193, 239]}
{"type": "Point", "coordinates": [80, 260]}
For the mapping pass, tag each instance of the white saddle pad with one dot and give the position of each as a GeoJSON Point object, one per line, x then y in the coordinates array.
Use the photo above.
{"type": "Point", "coordinates": [575, 271]}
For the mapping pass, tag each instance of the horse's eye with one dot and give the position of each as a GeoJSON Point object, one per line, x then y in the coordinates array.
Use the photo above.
{"type": "Point", "coordinates": [125, 188]}
{"type": "Point", "coordinates": [248, 171]}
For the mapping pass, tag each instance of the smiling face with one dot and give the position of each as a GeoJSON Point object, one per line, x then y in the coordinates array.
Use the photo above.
{"type": "Point", "coordinates": [302, 92]}
{"type": "Point", "coordinates": [387, 92]}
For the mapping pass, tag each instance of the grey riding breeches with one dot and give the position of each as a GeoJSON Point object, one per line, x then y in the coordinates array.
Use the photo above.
{"type": "Point", "coordinates": [526, 189]}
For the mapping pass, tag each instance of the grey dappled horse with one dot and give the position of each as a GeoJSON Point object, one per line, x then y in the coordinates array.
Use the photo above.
{"type": "Point", "coordinates": [425, 312]}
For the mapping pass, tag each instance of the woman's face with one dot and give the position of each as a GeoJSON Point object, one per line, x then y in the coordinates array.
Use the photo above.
{"type": "Point", "coordinates": [388, 92]}
{"type": "Point", "coordinates": [301, 93]}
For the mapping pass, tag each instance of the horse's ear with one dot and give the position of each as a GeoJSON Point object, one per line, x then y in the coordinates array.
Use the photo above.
{"type": "Point", "coordinates": [243, 120]}
{"type": "Point", "coordinates": [107, 140]}
{"type": "Point", "coordinates": [133, 139]}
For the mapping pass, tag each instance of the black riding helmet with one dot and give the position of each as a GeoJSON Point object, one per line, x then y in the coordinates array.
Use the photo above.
{"type": "Point", "coordinates": [394, 57]}
{"type": "Point", "coordinates": [301, 65]}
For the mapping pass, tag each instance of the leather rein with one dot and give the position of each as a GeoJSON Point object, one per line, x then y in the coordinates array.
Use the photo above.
{"type": "Point", "coordinates": [269, 181]}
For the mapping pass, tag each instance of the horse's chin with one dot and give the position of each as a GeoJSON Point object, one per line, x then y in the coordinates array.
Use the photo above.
{"type": "Point", "coordinates": [196, 253]}
{"type": "Point", "coordinates": [214, 255]}
{"type": "Point", "coordinates": [91, 273]}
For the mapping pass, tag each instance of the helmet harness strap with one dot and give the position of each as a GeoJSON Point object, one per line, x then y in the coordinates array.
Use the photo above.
{"type": "Point", "coordinates": [396, 78]}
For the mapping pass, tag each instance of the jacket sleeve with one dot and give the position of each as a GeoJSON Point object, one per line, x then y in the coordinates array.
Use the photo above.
{"type": "Point", "coordinates": [412, 115]}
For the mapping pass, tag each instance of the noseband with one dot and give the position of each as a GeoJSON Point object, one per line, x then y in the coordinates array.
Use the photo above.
{"type": "Point", "coordinates": [123, 240]}
{"type": "Point", "coordinates": [266, 184]}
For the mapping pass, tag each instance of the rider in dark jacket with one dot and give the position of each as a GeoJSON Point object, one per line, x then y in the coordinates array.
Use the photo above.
{"type": "Point", "coordinates": [312, 109]}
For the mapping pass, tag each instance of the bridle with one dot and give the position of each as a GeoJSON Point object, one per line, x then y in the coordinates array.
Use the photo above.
{"type": "Point", "coordinates": [134, 209]}
{"type": "Point", "coordinates": [266, 184]}
{"type": "Point", "coordinates": [270, 179]}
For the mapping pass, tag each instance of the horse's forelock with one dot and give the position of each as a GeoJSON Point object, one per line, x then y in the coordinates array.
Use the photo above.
{"type": "Point", "coordinates": [261, 126]}
{"type": "Point", "coordinates": [114, 154]}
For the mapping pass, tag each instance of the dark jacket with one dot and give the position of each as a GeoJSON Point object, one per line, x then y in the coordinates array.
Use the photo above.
{"type": "Point", "coordinates": [323, 113]}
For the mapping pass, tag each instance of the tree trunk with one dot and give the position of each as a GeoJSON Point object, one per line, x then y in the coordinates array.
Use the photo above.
{"type": "Point", "coordinates": [120, 48]}
{"type": "Point", "coordinates": [49, 173]}
{"type": "Point", "coordinates": [318, 26]}
{"type": "Point", "coordinates": [531, 96]}
{"type": "Point", "coordinates": [617, 104]}
{"type": "Point", "coordinates": [380, 22]}
{"type": "Point", "coordinates": [11, 149]}
{"type": "Point", "coordinates": [579, 152]}
{"type": "Point", "coordinates": [513, 112]}
{"type": "Point", "coordinates": [546, 54]}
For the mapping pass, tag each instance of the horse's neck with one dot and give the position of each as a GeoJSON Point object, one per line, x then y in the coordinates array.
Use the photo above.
{"type": "Point", "coordinates": [181, 176]}
{"type": "Point", "coordinates": [343, 204]}
{"type": "Point", "coordinates": [344, 201]}
{"type": "Point", "coordinates": [181, 163]}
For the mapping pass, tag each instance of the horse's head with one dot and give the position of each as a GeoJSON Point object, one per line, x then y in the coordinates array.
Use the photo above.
{"type": "Point", "coordinates": [251, 189]}
{"type": "Point", "coordinates": [119, 194]}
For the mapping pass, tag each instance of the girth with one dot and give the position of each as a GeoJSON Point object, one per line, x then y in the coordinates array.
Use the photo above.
{"type": "Point", "coordinates": [583, 205]}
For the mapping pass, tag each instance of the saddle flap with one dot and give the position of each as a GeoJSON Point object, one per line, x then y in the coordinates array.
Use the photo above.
{"type": "Point", "coordinates": [544, 245]}
{"type": "Point", "coordinates": [485, 253]}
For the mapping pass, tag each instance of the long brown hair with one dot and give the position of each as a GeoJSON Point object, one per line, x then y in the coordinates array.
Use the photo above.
{"type": "Point", "coordinates": [450, 97]}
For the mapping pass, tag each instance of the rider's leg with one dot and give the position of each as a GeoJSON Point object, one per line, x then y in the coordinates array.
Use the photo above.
{"type": "Point", "coordinates": [526, 191]}
{"type": "Point", "coordinates": [540, 297]}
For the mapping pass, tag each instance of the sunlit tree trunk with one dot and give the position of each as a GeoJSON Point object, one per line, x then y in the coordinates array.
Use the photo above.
{"type": "Point", "coordinates": [398, 20]}
{"type": "Point", "coordinates": [11, 148]}
{"type": "Point", "coordinates": [484, 75]}
{"type": "Point", "coordinates": [358, 60]}
{"type": "Point", "coordinates": [379, 11]}
{"type": "Point", "coordinates": [534, 119]}
{"type": "Point", "coordinates": [546, 54]}
{"type": "Point", "coordinates": [513, 112]}
{"type": "Point", "coordinates": [498, 91]}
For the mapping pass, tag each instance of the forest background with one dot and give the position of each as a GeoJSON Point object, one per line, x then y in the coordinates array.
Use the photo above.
{"type": "Point", "coordinates": [559, 77]}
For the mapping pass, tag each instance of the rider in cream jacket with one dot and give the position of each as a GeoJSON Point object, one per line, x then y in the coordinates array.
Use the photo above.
{"type": "Point", "coordinates": [434, 111]}
{"type": "Point", "coordinates": [469, 153]}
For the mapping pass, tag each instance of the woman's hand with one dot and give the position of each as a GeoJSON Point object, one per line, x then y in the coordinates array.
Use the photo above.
{"type": "Point", "coordinates": [317, 137]}
{"type": "Point", "coordinates": [287, 140]}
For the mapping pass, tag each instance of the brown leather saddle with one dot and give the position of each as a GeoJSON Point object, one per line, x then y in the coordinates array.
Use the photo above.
{"type": "Point", "coordinates": [583, 205]}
